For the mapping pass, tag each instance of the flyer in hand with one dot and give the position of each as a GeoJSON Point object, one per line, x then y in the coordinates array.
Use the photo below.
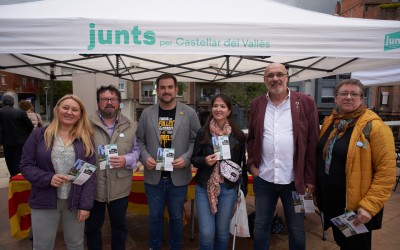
{"type": "Point", "coordinates": [80, 172]}
{"type": "Point", "coordinates": [101, 155]}
{"type": "Point", "coordinates": [221, 147]}
{"type": "Point", "coordinates": [164, 159]}
{"type": "Point", "coordinates": [110, 150]}
{"type": "Point", "coordinates": [345, 223]}
{"type": "Point", "coordinates": [303, 203]}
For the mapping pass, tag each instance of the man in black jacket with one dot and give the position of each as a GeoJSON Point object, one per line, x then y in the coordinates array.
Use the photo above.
{"type": "Point", "coordinates": [15, 128]}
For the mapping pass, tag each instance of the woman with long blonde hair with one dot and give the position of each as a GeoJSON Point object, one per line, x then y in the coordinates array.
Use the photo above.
{"type": "Point", "coordinates": [49, 153]}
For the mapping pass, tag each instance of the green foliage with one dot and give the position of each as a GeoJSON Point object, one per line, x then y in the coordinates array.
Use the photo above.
{"type": "Point", "coordinates": [242, 93]}
{"type": "Point", "coordinates": [182, 87]}
{"type": "Point", "coordinates": [389, 6]}
{"type": "Point", "coordinates": [61, 88]}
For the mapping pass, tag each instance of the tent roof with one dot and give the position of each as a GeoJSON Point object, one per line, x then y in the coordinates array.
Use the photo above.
{"type": "Point", "coordinates": [224, 40]}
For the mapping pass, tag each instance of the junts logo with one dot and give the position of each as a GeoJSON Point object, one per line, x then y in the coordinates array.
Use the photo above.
{"type": "Point", "coordinates": [392, 41]}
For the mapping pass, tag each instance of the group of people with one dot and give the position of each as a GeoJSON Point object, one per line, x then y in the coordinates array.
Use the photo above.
{"type": "Point", "coordinates": [286, 151]}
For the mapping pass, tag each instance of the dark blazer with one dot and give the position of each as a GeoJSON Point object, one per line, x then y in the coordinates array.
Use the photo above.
{"type": "Point", "coordinates": [305, 136]}
{"type": "Point", "coordinates": [200, 151]}
{"type": "Point", "coordinates": [15, 126]}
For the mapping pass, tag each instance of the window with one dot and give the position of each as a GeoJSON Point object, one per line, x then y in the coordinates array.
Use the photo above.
{"type": "Point", "coordinates": [327, 95]}
{"type": "Point", "coordinates": [3, 80]}
{"type": "Point", "coordinates": [147, 92]}
{"type": "Point", "coordinates": [121, 85]}
{"type": "Point", "coordinates": [207, 94]}
{"type": "Point", "coordinates": [24, 81]}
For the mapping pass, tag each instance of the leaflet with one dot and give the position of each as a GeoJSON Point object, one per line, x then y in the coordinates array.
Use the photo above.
{"type": "Point", "coordinates": [80, 172]}
{"type": "Point", "coordinates": [168, 158]}
{"type": "Point", "coordinates": [221, 147]}
{"type": "Point", "coordinates": [303, 203]}
{"type": "Point", "coordinates": [164, 159]}
{"type": "Point", "coordinates": [101, 155]}
{"type": "Point", "coordinates": [345, 223]}
{"type": "Point", "coordinates": [111, 150]}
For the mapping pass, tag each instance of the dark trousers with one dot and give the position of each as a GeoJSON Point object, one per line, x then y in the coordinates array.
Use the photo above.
{"type": "Point", "coordinates": [359, 241]}
{"type": "Point", "coordinates": [12, 154]}
{"type": "Point", "coordinates": [116, 211]}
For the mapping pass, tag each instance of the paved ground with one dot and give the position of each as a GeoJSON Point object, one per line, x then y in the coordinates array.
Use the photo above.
{"type": "Point", "coordinates": [387, 238]}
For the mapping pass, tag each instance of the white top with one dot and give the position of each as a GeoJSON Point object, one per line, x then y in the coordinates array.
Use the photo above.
{"type": "Point", "coordinates": [277, 146]}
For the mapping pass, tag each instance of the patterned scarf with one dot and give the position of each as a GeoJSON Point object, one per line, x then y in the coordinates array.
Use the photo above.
{"type": "Point", "coordinates": [213, 188]}
{"type": "Point", "coordinates": [341, 122]}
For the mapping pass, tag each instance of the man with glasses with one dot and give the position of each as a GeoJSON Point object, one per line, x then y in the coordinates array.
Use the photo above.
{"type": "Point", "coordinates": [114, 179]}
{"type": "Point", "coordinates": [283, 134]}
{"type": "Point", "coordinates": [168, 126]}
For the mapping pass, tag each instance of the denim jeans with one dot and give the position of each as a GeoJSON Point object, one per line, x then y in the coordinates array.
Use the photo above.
{"type": "Point", "coordinates": [117, 213]}
{"type": "Point", "coordinates": [214, 226]}
{"type": "Point", "coordinates": [165, 192]}
{"type": "Point", "coordinates": [266, 198]}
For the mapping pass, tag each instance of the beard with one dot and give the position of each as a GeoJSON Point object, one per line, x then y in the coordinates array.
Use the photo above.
{"type": "Point", "coordinates": [108, 112]}
{"type": "Point", "coordinates": [165, 100]}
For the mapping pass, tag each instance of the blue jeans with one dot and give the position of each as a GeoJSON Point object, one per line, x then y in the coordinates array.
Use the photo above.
{"type": "Point", "coordinates": [214, 226]}
{"type": "Point", "coordinates": [117, 213]}
{"type": "Point", "coordinates": [266, 198]}
{"type": "Point", "coordinates": [165, 192]}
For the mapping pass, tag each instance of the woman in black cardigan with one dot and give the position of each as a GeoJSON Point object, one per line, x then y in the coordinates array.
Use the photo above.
{"type": "Point", "coordinates": [215, 195]}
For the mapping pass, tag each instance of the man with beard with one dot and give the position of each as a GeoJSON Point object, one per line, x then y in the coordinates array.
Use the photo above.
{"type": "Point", "coordinates": [168, 125]}
{"type": "Point", "coordinates": [115, 179]}
{"type": "Point", "coordinates": [282, 140]}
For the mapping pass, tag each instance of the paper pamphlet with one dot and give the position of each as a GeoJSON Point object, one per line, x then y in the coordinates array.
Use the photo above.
{"type": "Point", "coordinates": [303, 203]}
{"type": "Point", "coordinates": [165, 156]}
{"type": "Point", "coordinates": [159, 159]}
{"type": "Point", "coordinates": [80, 172]}
{"type": "Point", "coordinates": [101, 154]}
{"type": "Point", "coordinates": [221, 147]}
{"type": "Point", "coordinates": [345, 223]}
{"type": "Point", "coordinates": [111, 150]}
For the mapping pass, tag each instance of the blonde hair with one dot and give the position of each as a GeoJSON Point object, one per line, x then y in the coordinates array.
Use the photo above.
{"type": "Point", "coordinates": [81, 130]}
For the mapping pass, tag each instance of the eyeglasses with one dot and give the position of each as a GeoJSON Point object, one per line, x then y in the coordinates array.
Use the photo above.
{"type": "Point", "coordinates": [106, 100]}
{"type": "Point", "coordinates": [272, 75]}
{"type": "Point", "coordinates": [345, 94]}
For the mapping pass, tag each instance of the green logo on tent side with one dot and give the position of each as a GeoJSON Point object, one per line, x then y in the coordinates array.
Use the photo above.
{"type": "Point", "coordinates": [120, 36]}
{"type": "Point", "coordinates": [392, 41]}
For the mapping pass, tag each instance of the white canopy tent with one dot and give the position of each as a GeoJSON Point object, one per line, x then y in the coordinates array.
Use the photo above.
{"type": "Point", "coordinates": [382, 76]}
{"type": "Point", "coordinates": [224, 40]}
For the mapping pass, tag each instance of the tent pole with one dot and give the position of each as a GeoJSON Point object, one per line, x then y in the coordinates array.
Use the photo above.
{"type": "Point", "coordinates": [52, 78]}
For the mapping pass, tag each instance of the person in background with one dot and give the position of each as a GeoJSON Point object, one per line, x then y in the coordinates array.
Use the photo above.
{"type": "Point", "coordinates": [15, 128]}
{"type": "Point", "coordinates": [282, 140]}
{"type": "Point", "coordinates": [214, 205]}
{"type": "Point", "coordinates": [356, 164]}
{"type": "Point", "coordinates": [168, 124]}
{"type": "Point", "coordinates": [114, 182]}
{"type": "Point", "coordinates": [49, 153]}
{"type": "Point", "coordinates": [34, 117]}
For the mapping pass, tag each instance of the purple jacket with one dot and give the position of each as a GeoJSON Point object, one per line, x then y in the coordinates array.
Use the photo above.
{"type": "Point", "coordinates": [305, 136]}
{"type": "Point", "coordinates": [37, 168]}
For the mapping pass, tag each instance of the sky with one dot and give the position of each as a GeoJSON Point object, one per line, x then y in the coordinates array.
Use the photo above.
{"type": "Point", "coordinates": [324, 6]}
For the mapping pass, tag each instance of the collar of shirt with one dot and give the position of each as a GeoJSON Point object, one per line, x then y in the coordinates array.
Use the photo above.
{"type": "Point", "coordinates": [110, 129]}
{"type": "Point", "coordinates": [285, 100]}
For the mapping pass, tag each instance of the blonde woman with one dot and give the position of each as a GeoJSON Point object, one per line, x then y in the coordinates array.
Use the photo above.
{"type": "Point", "coordinates": [47, 156]}
{"type": "Point", "coordinates": [34, 117]}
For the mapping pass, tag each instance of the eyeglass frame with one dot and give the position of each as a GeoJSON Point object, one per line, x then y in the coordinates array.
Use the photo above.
{"type": "Point", "coordinates": [106, 100]}
{"type": "Point", "coordinates": [346, 94]}
{"type": "Point", "coordinates": [278, 75]}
